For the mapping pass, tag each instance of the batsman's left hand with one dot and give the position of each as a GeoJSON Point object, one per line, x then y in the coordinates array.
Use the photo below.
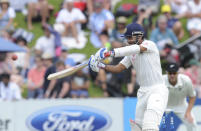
{"type": "Point", "coordinates": [94, 64]}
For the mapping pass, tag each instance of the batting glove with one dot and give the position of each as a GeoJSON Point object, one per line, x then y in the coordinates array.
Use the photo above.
{"type": "Point", "coordinates": [95, 65]}
{"type": "Point", "coordinates": [103, 53]}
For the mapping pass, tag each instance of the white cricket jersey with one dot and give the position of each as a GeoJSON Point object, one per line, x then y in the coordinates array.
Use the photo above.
{"type": "Point", "coordinates": [178, 93]}
{"type": "Point", "coordinates": [147, 65]}
{"type": "Point", "coordinates": [11, 92]}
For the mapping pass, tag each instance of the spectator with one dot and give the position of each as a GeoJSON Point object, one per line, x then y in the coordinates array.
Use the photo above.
{"type": "Point", "coordinates": [71, 18]}
{"type": "Point", "coordinates": [4, 66]}
{"type": "Point", "coordinates": [17, 78]}
{"type": "Point", "coordinates": [178, 6]}
{"type": "Point", "coordinates": [20, 32]}
{"type": "Point", "coordinates": [59, 88]}
{"type": "Point", "coordinates": [46, 43]}
{"type": "Point", "coordinates": [162, 35]}
{"type": "Point", "coordinates": [101, 23]}
{"type": "Point", "coordinates": [57, 39]}
{"type": "Point", "coordinates": [64, 57]}
{"type": "Point", "coordinates": [38, 10]}
{"type": "Point", "coordinates": [144, 18]}
{"type": "Point", "coordinates": [90, 6]}
{"type": "Point", "coordinates": [9, 90]}
{"type": "Point", "coordinates": [36, 79]}
{"type": "Point", "coordinates": [153, 5]}
{"type": "Point", "coordinates": [47, 59]}
{"type": "Point", "coordinates": [173, 23]}
{"type": "Point", "coordinates": [50, 66]}
{"type": "Point", "coordinates": [106, 5]}
{"type": "Point", "coordinates": [80, 85]}
{"type": "Point", "coordinates": [116, 38]}
{"type": "Point", "coordinates": [193, 15]}
{"type": "Point", "coordinates": [7, 14]}
{"type": "Point", "coordinates": [18, 5]}
{"type": "Point", "coordinates": [6, 35]}
{"type": "Point", "coordinates": [192, 71]}
{"type": "Point", "coordinates": [22, 63]}
{"type": "Point", "coordinates": [46, 83]}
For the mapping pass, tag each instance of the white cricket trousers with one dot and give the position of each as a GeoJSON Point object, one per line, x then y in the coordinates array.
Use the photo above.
{"type": "Point", "coordinates": [152, 102]}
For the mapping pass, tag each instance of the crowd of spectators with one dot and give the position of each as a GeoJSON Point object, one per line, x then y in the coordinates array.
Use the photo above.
{"type": "Point", "coordinates": [49, 54]}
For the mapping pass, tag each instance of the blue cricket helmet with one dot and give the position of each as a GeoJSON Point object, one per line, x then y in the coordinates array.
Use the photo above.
{"type": "Point", "coordinates": [133, 29]}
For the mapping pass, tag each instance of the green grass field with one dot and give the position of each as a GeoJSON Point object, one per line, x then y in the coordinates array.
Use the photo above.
{"type": "Point", "coordinates": [89, 49]}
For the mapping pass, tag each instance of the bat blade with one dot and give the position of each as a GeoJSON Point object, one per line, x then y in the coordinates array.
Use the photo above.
{"type": "Point", "coordinates": [67, 72]}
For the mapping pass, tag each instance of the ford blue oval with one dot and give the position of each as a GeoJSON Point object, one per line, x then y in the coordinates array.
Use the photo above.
{"type": "Point", "coordinates": [69, 118]}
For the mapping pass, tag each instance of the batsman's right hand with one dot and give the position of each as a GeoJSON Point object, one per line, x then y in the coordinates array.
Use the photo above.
{"type": "Point", "coordinates": [103, 53]}
{"type": "Point", "coordinates": [94, 64]}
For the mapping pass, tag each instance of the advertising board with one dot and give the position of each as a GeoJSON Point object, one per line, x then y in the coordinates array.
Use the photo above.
{"type": "Point", "coordinates": [67, 114]}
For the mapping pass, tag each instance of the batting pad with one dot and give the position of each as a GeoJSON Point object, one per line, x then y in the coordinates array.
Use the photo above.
{"type": "Point", "coordinates": [150, 122]}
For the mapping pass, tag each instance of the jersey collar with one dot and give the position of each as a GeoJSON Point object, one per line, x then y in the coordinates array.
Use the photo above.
{"type": "Point", "coordinates": [179, 83]}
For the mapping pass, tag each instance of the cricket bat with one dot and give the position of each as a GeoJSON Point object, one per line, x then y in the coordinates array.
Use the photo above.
{"type": "Point", "coordinates": [67, 72]}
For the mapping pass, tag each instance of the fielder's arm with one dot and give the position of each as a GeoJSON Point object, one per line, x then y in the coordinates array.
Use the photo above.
{"type": "Point", "coordinates": [188, 115]}
{"type": "Point", "coordinates": [191, 94]}
{"type": "Point", "coordinates": [191, 103]}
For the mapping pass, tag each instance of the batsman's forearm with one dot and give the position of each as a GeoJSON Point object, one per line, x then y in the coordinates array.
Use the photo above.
{"type": "Point", "coordinates": [126, 51]}
{"type": "Point", "coordinates": [111, 68]}
{"type": "Point", "coordinates": [114, 68]}
{"type": "Point", "coordinates": [191, 103]}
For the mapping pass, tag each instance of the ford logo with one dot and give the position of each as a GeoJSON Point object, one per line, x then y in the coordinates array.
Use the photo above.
{"type": "Point", "coordinates": [69, 118]}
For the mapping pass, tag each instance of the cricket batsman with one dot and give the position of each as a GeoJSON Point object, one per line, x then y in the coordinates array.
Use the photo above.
{"type": "Point", "coordinates": [180, 87]}
{"type": "Point", "coordinates": [144, 56]}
